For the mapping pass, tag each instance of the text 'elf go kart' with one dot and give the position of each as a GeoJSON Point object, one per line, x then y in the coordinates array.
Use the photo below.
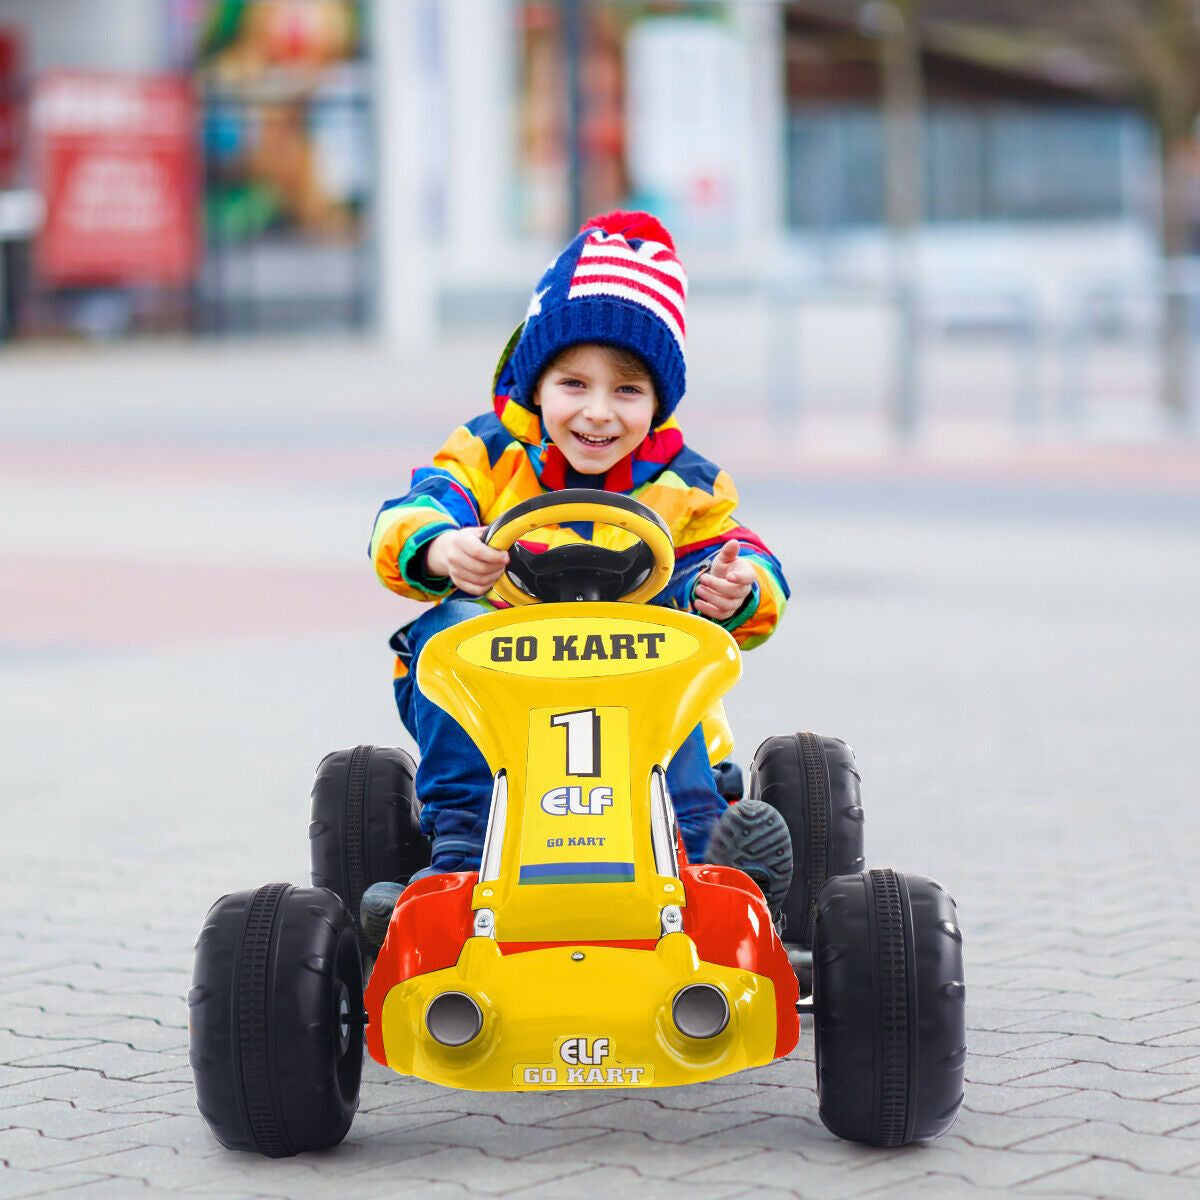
{"type": "Point", "coordinates": [586, 952]}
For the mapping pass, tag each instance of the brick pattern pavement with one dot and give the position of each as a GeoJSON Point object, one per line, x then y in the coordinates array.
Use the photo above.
{"type": "Point", "coordinates": [1022, 697]}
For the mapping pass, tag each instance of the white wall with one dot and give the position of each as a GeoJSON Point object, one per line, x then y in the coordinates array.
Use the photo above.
{"type": "Point", "coordinates": [113, 35]}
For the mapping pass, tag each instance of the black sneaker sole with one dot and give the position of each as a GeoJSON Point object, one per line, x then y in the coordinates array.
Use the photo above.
{"type": "Point", "coordinates": [753, 837]}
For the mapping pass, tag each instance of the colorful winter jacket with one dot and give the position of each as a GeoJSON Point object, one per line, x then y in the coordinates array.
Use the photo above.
{"type": "Point", "coordinates": [498, 459]}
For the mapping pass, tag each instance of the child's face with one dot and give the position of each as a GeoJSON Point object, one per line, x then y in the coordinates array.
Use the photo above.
{"type": "Point", "coordinates": [594, 413]}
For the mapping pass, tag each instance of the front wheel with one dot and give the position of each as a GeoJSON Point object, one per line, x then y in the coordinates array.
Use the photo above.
{"type": "Point", "coordinates": [888, 1008]}
{"type": "Point", "coordinates": [275, 1020]}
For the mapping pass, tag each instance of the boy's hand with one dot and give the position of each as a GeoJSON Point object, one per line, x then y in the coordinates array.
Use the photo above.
{"type": "Point", "coordinates": [461, 554]}
{"type": "Point", "coordinates": [723, 588]}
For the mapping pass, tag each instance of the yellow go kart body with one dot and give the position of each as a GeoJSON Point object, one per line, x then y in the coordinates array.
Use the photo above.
{"type": "Point", "coordinates": [574, 942]}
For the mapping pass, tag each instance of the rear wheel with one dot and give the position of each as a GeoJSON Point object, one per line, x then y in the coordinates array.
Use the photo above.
{"type": "Point", "coordinates": [365, 824]}
{"type": "Point", "coordinates": [815, 785]}
{"type": "Point", "coordinates": [888, 1008]}
{"type": "Point", "coordinates": [275, 1020]}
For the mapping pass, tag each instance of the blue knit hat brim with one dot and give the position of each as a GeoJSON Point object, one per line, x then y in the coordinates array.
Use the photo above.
{"type": "Point", "coordinates": [607, 321]}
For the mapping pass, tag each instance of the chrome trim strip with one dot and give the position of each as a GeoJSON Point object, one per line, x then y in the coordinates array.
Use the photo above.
{"type": "Point", "coordinates": [662, 826]}
{"type": "Point", "coordinates": [493, 840]}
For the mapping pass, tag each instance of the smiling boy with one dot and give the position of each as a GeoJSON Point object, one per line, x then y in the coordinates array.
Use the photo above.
{"type": "Point", "coordinates": [584, 397]}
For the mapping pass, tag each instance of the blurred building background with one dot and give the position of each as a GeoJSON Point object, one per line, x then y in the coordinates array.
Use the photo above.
{"type": "Point", "coordinates": [911, 177]}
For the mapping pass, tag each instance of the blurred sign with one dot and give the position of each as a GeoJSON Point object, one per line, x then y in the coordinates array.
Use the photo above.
{"type": "Point", "coordinates": [688, 126]}
{"type": "Point", "coordinates": [117, 169]}
{"type": "Point", "coordinates": [10, 69]}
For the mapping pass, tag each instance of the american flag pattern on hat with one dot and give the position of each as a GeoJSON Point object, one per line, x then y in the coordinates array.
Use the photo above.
{"type": "Point", "coordinates": [618, 283]}
{"type": "Point", "coordinates": [649, 275]}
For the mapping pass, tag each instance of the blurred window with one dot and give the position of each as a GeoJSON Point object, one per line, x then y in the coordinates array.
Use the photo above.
{"type": "Point", "coordinates": [982, 161]}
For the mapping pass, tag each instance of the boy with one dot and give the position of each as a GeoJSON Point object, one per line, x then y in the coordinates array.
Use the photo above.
{"type": "Point", "coordinates": [584, 396]}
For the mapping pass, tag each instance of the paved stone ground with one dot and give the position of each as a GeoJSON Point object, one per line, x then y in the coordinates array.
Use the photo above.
{"type": "Point", "coordinates": [1008, 638]}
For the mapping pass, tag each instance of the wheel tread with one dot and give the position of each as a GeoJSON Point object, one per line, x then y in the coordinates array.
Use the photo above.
{"type": "Point", "coordinates": [817, 799]}
{"type": "Point", "coordinates": [892, 1011]}
{"type": "Point", "coordinates": [253, 1032]}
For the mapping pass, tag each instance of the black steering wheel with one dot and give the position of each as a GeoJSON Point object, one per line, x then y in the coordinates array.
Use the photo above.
{"type": "Point", "coordinates": [583, 571]}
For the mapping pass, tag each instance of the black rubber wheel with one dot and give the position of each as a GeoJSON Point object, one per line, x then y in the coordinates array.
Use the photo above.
{"type": "Point", "coordinates": [814, 783]}
{"type": "Point", "coordinates": [888, 1008]}
{"type": "Point", "coordinates": [365, 825]}
{"type": "Point", "coordinates": [275, 1020]}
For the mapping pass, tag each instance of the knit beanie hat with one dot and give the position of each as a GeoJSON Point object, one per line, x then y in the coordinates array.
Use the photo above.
{"type": "Point", "coordinates": [618, 283]}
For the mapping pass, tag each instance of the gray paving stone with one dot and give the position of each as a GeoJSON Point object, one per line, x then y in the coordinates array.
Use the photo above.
{"type": "Point", "coordinates": [521, 1108]}
{"type": "Point", "coordinates": [1002, 1098]}
{"type": "Point", "coordinates": [1002, 1131]}
{"type": "Point", "coordinates": [187, 1134]}
{"type": "Point", "coordinates": [30, 1150]}
{"type": "Point", "coordinates": [813, 1180]}
{"type": "Point", "coordinates": [1135, 1031]}
{"type": "Point", "coordinates": [769, 1100]}
{"type": "Point", "coordinates": [1191, 1130]}
{"type": "Point", "coordinates": [617, 1181]}
{"type": "Point", "coordinates": [1123, 1056]}
{"type": "Point", "coordinates": [1130, 1085]}
{"type": "Point", "coordinates": [935, 1188]}
{"type": "Point", "coordinates": [29, 1022]}
{"type": "Point", "coordinates": [1103, 1139]}
{"type": "Point", "coordinates": [1188, 1038]}
{"type": "Point", "coordinates": [58, 1118]}
{"type": "Point", "coordinates": [16, 1183]}
{"type": "Point", "coordinates": [1102, 1177]}
{"type": "Point", "coordinates": [12, 1077]}
{"type": "Point", "coordinates": [88, 1089]}
{"type": "Point", "coordinates": [495, 1137]}
{"type": "Point", "coordinates": [478, 1172]}
{"type": "Point", "coordinates": [983, 1167]}
{"type": "Point", "coordinates": [807, 1139]}
{"type": "Point", "coordinates": [992, 1043]}
{"type": "Point", "coordinates": [173, 1100]}
{"type": "Point", "coordinates": [218, 1192]}
{"type": "Point", "coordinates": [148, 1036]}
{"type": "Point", "coordinates": [55, 998]}
{"type": "Point", "coordinates": [715, 1094]}
{"type": "Point", "coordinates": [653, 1159]}
{"type": "Point", "coordinates": [110, 1189]}
{"type": "Point", "coordinates": [988, 1069]}
{"type": "Point", "coordinates": [660, 1124]}
{"type": "Point", "coordinates": [1189, 1066]}
{"type": "Point", "coordinates": [1143, 1116]}
{"type": "Point", "coordinates": [164, 1167]}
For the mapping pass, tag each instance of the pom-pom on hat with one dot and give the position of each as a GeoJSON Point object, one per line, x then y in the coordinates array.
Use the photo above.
{"type": "Point", "coordinates": [618, 283]}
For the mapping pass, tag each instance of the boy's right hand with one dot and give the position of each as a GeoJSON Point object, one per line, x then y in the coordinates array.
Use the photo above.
{"type": "Point", "coordinates": [461, 554]}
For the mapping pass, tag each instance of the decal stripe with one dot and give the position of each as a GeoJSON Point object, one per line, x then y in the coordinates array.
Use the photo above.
{"type": "Point", "coordinates": [585, 872]}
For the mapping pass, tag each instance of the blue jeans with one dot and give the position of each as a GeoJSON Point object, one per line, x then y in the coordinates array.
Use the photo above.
{"type": "Point", "coordinates": [454, 783]}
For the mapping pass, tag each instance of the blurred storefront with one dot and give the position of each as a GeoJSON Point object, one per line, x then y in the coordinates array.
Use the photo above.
{"type": "Point", "coordinates": [202, 165]}
{"type": "Point", "coordinates": [404, 164]}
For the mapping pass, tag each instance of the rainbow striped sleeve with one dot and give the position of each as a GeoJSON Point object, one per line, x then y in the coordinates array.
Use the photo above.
{"type": "Point", "coordinates": [705, 534]}
{"type": "Point", "coordinates": [450, 494]}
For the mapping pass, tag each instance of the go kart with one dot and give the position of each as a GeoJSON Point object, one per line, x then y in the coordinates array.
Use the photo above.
{"type": "Point", "coordinates": [586, 952]}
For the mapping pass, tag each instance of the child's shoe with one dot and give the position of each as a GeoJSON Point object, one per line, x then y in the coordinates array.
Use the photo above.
{"type": "Point", "coordinates": [375, 909]}
{"type": "Point", "coordinates": [378, 901]}
{"type": "Point", "coordinates": [753, 837]}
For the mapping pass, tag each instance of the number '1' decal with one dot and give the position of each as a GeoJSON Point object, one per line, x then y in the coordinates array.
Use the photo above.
{"type": "Point", "coordinates": [583, 741]}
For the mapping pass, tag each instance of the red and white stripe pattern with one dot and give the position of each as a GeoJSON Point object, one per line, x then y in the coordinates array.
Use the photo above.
{"type": "Point", "coordinates": [650, 276]}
